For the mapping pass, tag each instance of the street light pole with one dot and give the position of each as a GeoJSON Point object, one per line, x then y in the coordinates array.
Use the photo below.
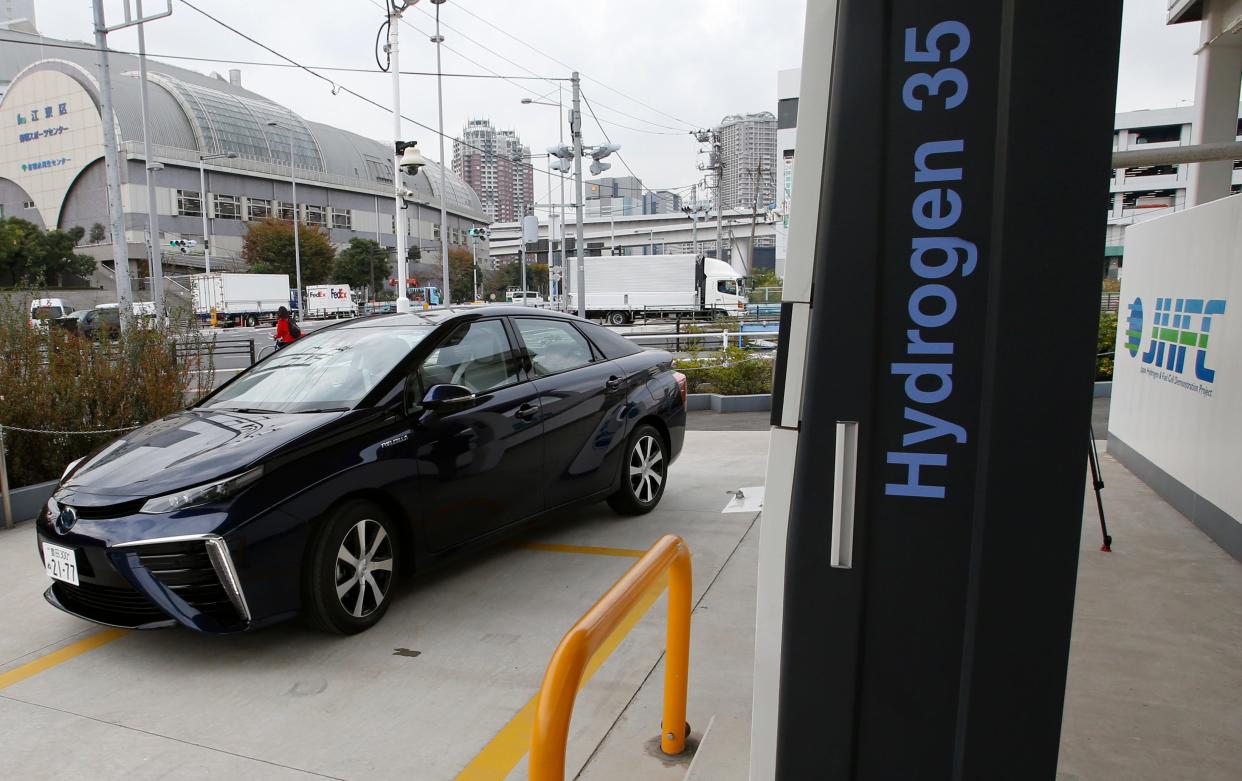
{"type": "Point", "coordinates": [575, 131]}
{"type": "Point", "coordinates": [154, 258]}
{"type": "Point", "coordinates": [438, 39]}
{"type": "Point", "coordinates": [202, 202]}
{"type": "Point", "coordinates": [297, 245]}
{"type": "Point", "coordinates": [398, 211]}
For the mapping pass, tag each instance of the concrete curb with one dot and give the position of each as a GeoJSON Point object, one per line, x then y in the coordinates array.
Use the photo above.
{"type": "Point", "coordinates": [28, 500]}
{"type": "Point", "coordinates": [755, 402]}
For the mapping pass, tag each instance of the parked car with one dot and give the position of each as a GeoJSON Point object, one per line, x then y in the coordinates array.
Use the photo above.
{"type": "Point", "coordinates": [44, 310]}
{"type": "Point", "coordinates": [365, 450]}
{"type": "Point", "coordinates": [72, 321]}
{"type": "Point", "coordinates": [105, 318]}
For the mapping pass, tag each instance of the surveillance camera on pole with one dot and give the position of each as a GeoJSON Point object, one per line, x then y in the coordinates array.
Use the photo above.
{"type": "Point", "coordinates": [411, 159]}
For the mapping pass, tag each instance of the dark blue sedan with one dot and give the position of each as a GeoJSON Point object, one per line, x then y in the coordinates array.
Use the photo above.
{"type": "Point", "coordinates": [364, 451]}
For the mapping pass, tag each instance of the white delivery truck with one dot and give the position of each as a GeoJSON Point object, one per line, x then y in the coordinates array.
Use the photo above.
{"type": "Point", "coordinates": [622, 287]}
{"type": "Point", "coordinates": [324, 301]}
{"type": "Point", "coordinates": [239, 299]}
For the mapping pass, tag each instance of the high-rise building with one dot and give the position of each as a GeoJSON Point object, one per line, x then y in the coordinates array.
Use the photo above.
{"type": "Point", "coordinates": [661, 202]}
{"type": "Point", "coordinates": [748, 156]}
{"type": "Point", "coordinates": [496, 165]}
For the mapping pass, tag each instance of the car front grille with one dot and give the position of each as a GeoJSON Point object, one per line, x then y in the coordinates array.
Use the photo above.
{"type": "Point", "coordinates": [122, 606]}
{"type": "Point", "coordinates": [107, 511]}
{"type": "Point", "coordinates": [185, 568]}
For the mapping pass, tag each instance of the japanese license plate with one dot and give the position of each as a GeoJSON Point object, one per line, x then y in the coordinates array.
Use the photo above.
{"type": "Point", "coordinates": [61, 563]}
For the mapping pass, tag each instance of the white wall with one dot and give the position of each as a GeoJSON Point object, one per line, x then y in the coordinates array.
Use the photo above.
{"type": "Point", "coordinates": [1184, 425]}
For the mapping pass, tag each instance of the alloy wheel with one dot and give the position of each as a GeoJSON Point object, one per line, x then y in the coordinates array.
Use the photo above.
{"type": "Point", "coordinates": [364, 568]}
{"type": "Point", "coordinates": [646, 469]}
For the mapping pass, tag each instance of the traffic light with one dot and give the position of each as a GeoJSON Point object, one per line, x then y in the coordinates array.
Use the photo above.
{"type": "Point", "coordinates": [564, 154]}
{"type": "Point", "coordinates": [183, 244]}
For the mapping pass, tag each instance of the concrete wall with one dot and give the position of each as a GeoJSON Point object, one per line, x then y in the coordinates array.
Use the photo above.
{"type": "Point", "coordinates": [1177, 421]}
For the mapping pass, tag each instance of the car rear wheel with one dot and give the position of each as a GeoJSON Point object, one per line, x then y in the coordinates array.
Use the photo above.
{"type": "Point", "coordinates": [349, 579]}
{"type": "Point", "coordinates": [643, 474]}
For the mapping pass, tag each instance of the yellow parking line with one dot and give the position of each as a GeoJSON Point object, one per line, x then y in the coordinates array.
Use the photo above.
{"type": "Point", "coordinates": [593, 550]}
{"type": "Point", "coordinates": [19, 674]}
{"type": "Point", "coordinates": [503, 752]}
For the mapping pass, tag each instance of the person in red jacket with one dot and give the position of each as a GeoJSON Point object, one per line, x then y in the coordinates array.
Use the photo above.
{"type": "Point", "coordinates": [287, 331]}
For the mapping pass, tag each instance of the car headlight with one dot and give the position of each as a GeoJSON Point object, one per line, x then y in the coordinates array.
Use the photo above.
{"type": "Point", "coordinates": [202, 494]}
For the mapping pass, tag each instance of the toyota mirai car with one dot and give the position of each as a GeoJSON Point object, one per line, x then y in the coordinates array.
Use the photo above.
{"type": "Point", "coordinates": [363, 451]}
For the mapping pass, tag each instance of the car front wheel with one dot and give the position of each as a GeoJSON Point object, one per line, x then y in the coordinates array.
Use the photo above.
{"type": "Point", "coordinates": [350, 577]}
{"type": "Point", "coordinates": [644, 473]}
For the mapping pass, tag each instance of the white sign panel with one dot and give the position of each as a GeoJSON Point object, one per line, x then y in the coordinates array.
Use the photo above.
{"type": "Point", "coordinates": [1177, 385]}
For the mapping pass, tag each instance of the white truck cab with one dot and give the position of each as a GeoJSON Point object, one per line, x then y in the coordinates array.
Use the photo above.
{"type": "Point", "coordinates": [724, 290]}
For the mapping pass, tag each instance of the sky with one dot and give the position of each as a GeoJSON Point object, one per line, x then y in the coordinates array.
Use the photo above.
{"type": "Point", "coordinates": [652, 69]}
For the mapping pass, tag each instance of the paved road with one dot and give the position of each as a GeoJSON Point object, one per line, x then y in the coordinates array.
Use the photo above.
{"type": "Point", "coordinates": [443, 680]}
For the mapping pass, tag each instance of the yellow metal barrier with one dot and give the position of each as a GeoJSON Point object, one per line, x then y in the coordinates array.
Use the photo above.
{"type": "Point", "coordinates": [555, 703]}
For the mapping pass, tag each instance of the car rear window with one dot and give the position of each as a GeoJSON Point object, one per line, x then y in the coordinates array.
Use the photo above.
{"type": "Point", "coordinates": [610, 343]}
{"type": "Point", "coordinates": [554, 345]}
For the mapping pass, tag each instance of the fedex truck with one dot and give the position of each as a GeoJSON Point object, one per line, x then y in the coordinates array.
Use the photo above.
{"type": "Point", "coordinates": [620, 288]}
{"type": "Point", "coordinates": [326, 301]}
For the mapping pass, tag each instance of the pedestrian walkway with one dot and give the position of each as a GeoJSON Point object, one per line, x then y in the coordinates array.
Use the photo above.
{"type": "Point", "coordinates": [1155, 678]}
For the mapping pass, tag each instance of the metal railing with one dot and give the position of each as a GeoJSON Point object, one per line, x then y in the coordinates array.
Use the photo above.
{"type": "Point", "coordinates": [554, 706]}
{"type": "Point", "coordinates": [217, 348]}
{"type": "Point", "coordinates": [722, 336]}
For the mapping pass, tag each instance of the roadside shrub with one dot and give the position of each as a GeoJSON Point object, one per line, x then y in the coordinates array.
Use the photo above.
{"type": "Point", "coordinates": [1106, 342]}
{"type": "Point", "coordinates": [732, 372]}
{"type": "Point", "coordinates": [55, 380]}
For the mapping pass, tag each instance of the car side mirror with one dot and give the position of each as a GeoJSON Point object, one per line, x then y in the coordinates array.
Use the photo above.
{"type": "Point", "coordinates": [444, 398]}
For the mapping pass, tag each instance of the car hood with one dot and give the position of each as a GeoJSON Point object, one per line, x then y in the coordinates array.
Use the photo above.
{"type": "Point", "coordinates": [187, 448]}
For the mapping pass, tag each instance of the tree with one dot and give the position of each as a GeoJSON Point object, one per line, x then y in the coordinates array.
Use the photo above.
{"type": "Point", "coordinates": [98, 234]}
{"type": "Point", "coordinates": [31, 255]}
{"type": "Point", "coordinates": [510, 276]}
{"type": "Point", "coordinates": [364, 263]}
{"type": "Point", "coordinates": [461, 275]}
{"type": "Point", "coordinates": [268, 248]}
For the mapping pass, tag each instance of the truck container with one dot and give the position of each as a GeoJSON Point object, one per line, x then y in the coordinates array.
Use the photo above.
{"type": "Point", "coordinates": [324, 301]}
{"type": "Point", "coordinates": [239, 299]}
{"type": "Point", "coordinates": [620, 288]}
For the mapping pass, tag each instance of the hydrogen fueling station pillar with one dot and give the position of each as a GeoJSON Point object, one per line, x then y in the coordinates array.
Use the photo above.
{"type": "Point", "coordinates": [931, 409]}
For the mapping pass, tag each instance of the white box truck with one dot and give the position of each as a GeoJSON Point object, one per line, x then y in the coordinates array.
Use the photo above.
{"type": "Point", "coordinates": [239, 299]}
{"type": "Point", "coordinates": [324, 301]}
{"type": "Point", "coordinates": [620, 288]}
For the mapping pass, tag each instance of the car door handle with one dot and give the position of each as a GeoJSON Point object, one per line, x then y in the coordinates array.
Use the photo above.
{"type": "Point", "coordinates": [614, 383]}
{"type": "Point", "coordinates": [526, 411]}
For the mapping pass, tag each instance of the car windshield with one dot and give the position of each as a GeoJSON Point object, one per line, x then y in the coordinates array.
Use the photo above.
{"type": "Point", "coordinates": [46, 313]}
{"type": "Point", "coordinates": [324, 371]}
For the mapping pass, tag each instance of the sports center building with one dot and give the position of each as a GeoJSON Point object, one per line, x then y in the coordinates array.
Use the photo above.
{"type": "Point", "coordinates": [52, 168]}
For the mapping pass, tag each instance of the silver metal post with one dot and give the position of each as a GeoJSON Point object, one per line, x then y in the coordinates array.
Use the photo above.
{"type": "Point", "coordinates": [154, 252]}
{"type": "Point", "coordinates": [445, 297]}
{"type": "Point", "coordinates": [202, 184]}
{"type": "Point", "coordinates": [560, 116]}
{"type": "Point", "coordinates": [719, 166]}
{"type": "Point", "coordinates": [474, 263]}
{"type": "Point", "coordinates": [120, 244]}
{"type": "Point", "coordinates": [522, 254]}
{"type": "Point", "coordinates": [297, 227]}
{"type": "Point", "coordinates": [4, 486]}
{"type": "Point", "coordinates": [575, 129]}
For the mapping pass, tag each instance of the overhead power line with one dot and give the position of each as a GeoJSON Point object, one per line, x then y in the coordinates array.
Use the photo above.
{"type": "Point", "coordinates": [609, 140]}
{"type": "Point", "coordinates": [506, 33]}
{"type": "Point", "coordinates": [260, 64]}
{"type": "Point", "coordinates": [337, 86]}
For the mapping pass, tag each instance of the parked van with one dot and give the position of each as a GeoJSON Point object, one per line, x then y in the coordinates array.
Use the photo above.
{"type": "Point", "coordinates": [44, 310]}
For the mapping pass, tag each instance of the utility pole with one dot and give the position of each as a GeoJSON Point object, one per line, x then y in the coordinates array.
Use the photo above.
{"type": "Point", "coordinates": [749, 265]}
{"type": "Point", "coordinates": [154, 254]}
{"type": "Point", "coordinates": [112, 162]}
{"type": "Point", "coordinates": [718, 166]}
{"type": "Point", "coordinates": [398, 211]}
{"type": "Point", "coordinates": [575, 133]}
{"type": "Point", "coordinates": [474, 259]}
{"type": "Point", "coordinates": [438, 39]}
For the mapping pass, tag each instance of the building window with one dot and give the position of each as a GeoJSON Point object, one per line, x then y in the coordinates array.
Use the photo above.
{"type": "Point", "coordinates": [227, 207]}
{"type": "Point", "coordinates": [284, 211]}
{"type": "Point", "coordinates": [27, 204]}
{"type": "Point", "coordinates": [189, 204]}
{"type": "Point", "coordinates": [435, 231]}
{"type": "Point", "coordinates": [787, 113]}
{"type": "Point", "coordinates": [342, 218]}
{"type": "Point", "coordinates": [258, 209]}
{"type": "Point", "coordinates": [313, 215]}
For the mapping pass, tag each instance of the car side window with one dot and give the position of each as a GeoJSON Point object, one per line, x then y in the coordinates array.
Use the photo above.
{"type": "Point", "coordinates": [90, 317]}
{"type": "Point", "coordinates": [553, 346]}
{"type": "Point", "coordinates": [475, 355]}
